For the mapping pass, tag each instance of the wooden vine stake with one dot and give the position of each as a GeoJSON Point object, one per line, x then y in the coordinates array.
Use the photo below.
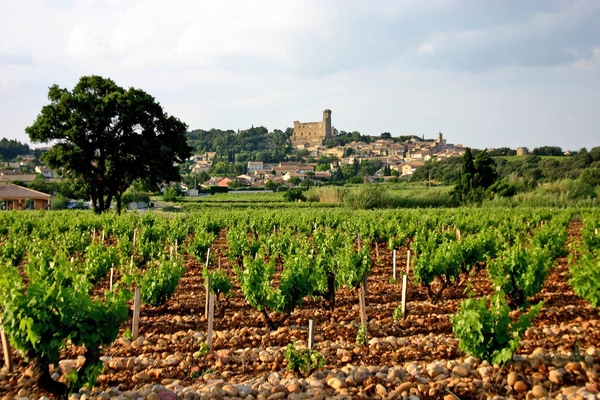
{"type": "Point", "coordinates": [407, 261]}
{"type": "Point", "coordinates": [363, 311]}
{"type": "Point", "coordinates": [112, 274]}
{"type": "Point", "coordinates": [176, 248]}
{"type": "Point", "coordinates": [404, 289]}
{"type": "Point", "coordinates": [207, 303]}
{"type": "Point", "coordinates": [394, 266]}
{"type": "Point", "coordinates": [458, 235]}
{"type": "Point", "coordinates": [102, 235]}
{"type": "Point", "coordinates": [207, 284]}
{"type": "Point", "coordinates": [7, 352]}
{"type": "Point", "coordinates": [211, 316]}
{"type": "Point", "coordinates": [311, 334]}
{"type": "Point", "coordinates": [136, 314]}
{"type": "Point", "coordinates": [134, 236]}
{"type": "Point", "coordinates": [377, 251]}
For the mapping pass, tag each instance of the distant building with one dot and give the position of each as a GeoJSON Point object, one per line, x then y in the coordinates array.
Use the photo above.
{"type": "Point", "coordinates": [522, 151]}
{"type": "Point", "coordinates": [312, 133]}
{"type": "Point", "coordinates": [254, 166]}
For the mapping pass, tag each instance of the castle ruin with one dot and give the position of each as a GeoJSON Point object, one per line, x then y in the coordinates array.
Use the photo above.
{"type": "Point", "coordinates": [312, 133]}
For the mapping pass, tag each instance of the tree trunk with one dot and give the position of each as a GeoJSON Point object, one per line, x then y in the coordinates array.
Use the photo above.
{"type": "Point", "coordinates": [118, 203]}
{"type": "Point", "coordinates": [45, 381]}
{"type": "Point", "coordinates": [268, 320]}
{"type": "Point", "coordinates": [331, 290]}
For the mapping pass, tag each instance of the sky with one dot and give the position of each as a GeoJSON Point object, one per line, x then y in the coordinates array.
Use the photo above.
{"type": "Point", "coordinates": [485, 73]}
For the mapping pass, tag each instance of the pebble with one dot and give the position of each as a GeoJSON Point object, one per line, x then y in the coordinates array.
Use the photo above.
{"type": "Point", "coordinates": [520, 386]}
{"type": "Point", "coordinates": [539, 391]}
{"type": "Point", "coordinates": [410, 380]}
{"type": "Point", "coordinates": [461, 371]}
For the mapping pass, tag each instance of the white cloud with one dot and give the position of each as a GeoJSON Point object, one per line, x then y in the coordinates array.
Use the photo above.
{"type": "Point", "coordinates": [426, 48]}
{"type": "Point", "coordinates": [401, 66]}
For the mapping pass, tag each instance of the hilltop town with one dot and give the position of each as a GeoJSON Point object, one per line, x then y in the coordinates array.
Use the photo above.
{"type": "Point", "coordinates": [385, 158]}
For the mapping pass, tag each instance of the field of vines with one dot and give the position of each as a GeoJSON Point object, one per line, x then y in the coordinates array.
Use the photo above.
{"type": "Point", "coordinates": [499, 303]}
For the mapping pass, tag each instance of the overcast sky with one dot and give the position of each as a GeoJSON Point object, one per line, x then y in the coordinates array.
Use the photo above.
{"type": "Point", "coordinates": [484, 73]}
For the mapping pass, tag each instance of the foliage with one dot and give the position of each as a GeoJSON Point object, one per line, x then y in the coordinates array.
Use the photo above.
{"type": "Point", "coordinates": [220, 283]}
{"type": "Point", "coordinates": [476, 176]}
{"type": "Point", "coordinates": [10, 149]}
{"type": "Point", "coordinates": [59, 203]}
{"type": "Point", "coordinates": [105, 137]}
{"type": "Point", "coordinates": [398, 314]}
{"type": "Point", "coordinates": [486, 331]}
{"type": "Point", "coordinates": [203, 350]}
{"type": "Point", "coordinates": [294, 195]}
{"type": "Point", "coordinates": [353, 266]}
{"type": "Point", "coordinates": [159, 282]}
{"type": "Point", "coordinates": [171, 193]}
{"type": "Point", "coordinates": [519, 272]}
{"type": "Point", "coordinates": [361, 335]}
{"type": "Point", "coordinates": [135, 193]}
{"type": "Point", "coordinates": [255, 281]}
{"type": "Point", "coordinates": [98, 262]}
{"type": "Point", "coordinates": [590, 176]}
{"type": "Point", "coordinates": [304, 361]}
{"type": "Point", "coordinates": [367, 197]}
{"type": "Point", "coordinates": [297, 281]}
{"type": "Point", "coordinates": [55, 308]}
{"type": "Point", "coordinates": [200, 245]}
{"type": "Point", "coordinates": [585, 278]}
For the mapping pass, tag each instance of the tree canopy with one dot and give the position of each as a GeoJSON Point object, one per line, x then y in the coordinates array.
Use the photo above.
{"type": "Point", "coordinates": [476, 176]}
{"type": "Point", "coordinates": [9, 149]}
{"type": "Point", "coordinates": [104, 137]}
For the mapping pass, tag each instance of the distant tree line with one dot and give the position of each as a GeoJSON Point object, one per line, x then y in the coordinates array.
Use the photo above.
{"type": "Point", "coordinates": [531, 168]}
{"type": "Point", "coordinates": [254, 144]}
{"type": "Point", "coordinates": [10, 149]}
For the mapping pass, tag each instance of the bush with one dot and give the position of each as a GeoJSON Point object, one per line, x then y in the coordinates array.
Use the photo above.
{"type": "Point", "coordinates": [294, 195]}
{"type": "Point", "coordinates": [303, 361]}
{"type": "Point", "coordinates": [585, 278]}
{"type": "Point", "coordinates": [486, 331]}
{"type": "Point", "coordinates": [519, 272]}
{"type": "Point", "coordinates": [159, 282]}
{"type": "Point", "coordinates": [59, 203]}
{"type": "Point", "coordinates": [170, 194]}
{"type": "Point", "coordinates": [51, 308]}
{"type": "Point", "coordinates": [131, 195]}
{"type": "Point", "coordinates": [218, 189]}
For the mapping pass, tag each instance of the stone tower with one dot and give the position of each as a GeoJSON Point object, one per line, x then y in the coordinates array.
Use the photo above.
{"type": "Point", "coordinates": [312, 133]}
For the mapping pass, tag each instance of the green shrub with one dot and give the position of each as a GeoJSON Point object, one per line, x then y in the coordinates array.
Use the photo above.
{"type": "Point", "coordinates": [585, 278]}
{"type": "Point", "coordinates": [486, 331]}
{"type": "Point", "coordinates": [303, 361]}
{"type": "Point", "coordinates": [170, 194]}
{"type": "Point", "coordinates": [519, 272]}
{"type": "Point", "coordinates": [59, 203]}
{"type": "Point", "coordinates": [159, 282]}
{"type": "Point", "coordinates": [294, 195]}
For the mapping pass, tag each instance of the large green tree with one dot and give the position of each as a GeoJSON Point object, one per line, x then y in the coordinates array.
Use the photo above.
{"type": "Point", "coordinates": [104, 137]}
{"type": "Point", "coordinates": [476, 176]}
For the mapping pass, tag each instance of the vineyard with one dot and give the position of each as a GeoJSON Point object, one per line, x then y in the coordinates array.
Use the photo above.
{"type": "Point", "coordinates": [500, 302]}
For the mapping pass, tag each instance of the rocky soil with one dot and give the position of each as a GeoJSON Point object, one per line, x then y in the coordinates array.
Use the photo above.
{"type": "Point", "coordinates": [417, 358]}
